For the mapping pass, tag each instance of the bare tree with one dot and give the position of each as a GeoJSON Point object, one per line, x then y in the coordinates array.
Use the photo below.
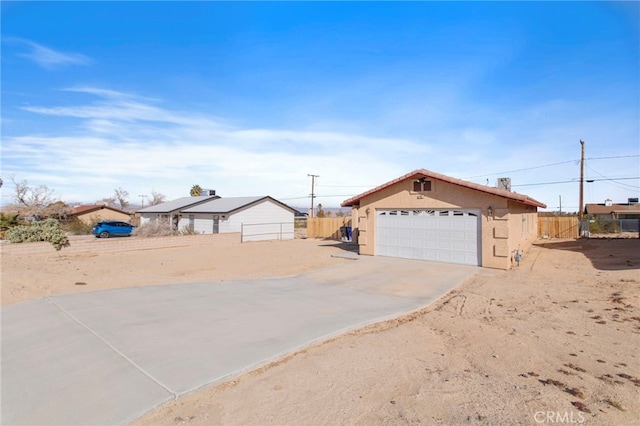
{"type": "Point", "coordinates": [32, 200]}
{"type": "Point", "coordinates": [156, 198]}
{"type": "Point", "coordinates": [121, 196]}
{"type": "Point", "coordinates": [58, 210]}
{"type": "Point", "coordinates": [107, 201]}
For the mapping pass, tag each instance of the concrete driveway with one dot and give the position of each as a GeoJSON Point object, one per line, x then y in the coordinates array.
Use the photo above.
{"type": "Point", "coordinates": [109, 357]}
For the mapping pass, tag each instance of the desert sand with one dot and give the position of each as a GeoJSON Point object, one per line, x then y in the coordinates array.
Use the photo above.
{"type": "Point", "coordinates": [554, 340]}
{"type": "Point", "coordinates": [41, 275]}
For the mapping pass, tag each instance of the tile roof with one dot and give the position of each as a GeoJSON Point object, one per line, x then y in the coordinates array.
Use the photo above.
{"type": "Point", "coordinates": [521, 198]}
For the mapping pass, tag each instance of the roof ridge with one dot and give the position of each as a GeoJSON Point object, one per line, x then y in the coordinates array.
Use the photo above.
{"type": "Point", "coordinates": [525, 199]}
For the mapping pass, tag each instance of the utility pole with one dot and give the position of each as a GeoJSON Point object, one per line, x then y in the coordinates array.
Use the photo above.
{"type": "Point", "coordinates": [581, 181]}
{"type": "Point", "coordinates": [313, 194]}
{"type": "Point", "coordinates": [560, 198]}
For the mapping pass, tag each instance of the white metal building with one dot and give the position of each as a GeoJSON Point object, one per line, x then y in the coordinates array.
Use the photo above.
{"type": "Point", "coordinates": [257, 218]}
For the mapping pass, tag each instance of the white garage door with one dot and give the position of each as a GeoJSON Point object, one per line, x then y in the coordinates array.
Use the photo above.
{"type": "Point", "coordinates": [450, 236]}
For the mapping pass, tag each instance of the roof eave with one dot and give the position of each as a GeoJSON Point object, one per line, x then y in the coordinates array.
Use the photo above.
{"type": "Point", "coordinates": [453, 181]}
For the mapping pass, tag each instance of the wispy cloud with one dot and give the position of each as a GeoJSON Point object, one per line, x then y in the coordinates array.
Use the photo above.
{"type": "Point", "coordinates": [138, 143]}
{"type": "Point", "coordinates": [49, 58]}
{"type": "Point", "coordinates": [135, 142]}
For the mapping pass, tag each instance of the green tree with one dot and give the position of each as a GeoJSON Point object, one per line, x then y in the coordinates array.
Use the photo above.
{"type": "Point", "coordinates": [196, 191]}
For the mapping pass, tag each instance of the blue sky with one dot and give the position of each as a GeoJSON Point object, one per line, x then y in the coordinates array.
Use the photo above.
{"type": "Point", "coordinates": [249, 98]}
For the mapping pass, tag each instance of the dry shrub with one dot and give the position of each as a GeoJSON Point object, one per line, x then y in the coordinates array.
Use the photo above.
{"type": "Point", "coordinates": [161, 228]}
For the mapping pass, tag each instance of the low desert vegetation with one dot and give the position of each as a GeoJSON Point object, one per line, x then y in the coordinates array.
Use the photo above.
{"type": "Point", "coordinates": [45, 230]}
{"type": "Point", "coordinates": [161, 229]}
{"type": "Point", "coordinates": [154, 229]}
{"type": "Point", "coordinates": [75, 226]}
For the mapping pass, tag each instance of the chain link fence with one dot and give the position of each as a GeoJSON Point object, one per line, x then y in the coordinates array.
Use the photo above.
{"type": "Point", "coordinates": [610, 227]}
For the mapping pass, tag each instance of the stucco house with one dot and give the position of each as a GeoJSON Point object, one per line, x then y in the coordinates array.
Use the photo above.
{"type": "Point", "coordinates": [614, 211]}
{"type": "Point", "coordinates": [615, 217]}
{"type": "Point", "coordinates": [429, 216]}
{"type": "Point", "coordinates": [256, 218]}
{"type": "Point", "coordinates": [93, 213]}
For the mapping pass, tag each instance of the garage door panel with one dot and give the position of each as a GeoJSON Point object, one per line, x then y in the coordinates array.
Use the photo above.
{"type": "Point", "coordinates": [450, 236]}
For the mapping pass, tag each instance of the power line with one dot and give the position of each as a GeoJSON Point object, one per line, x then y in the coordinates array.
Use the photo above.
{"type": "Point", "coordinates": [611, 179]}
{"type": "Point", "coordinates": [343, 186]}
{"type": "Point", "coordinates": [294, 198]}
{"type": "Point", "coordinates": [521, 170]}
{"type": "Point", "coordinates": [553, 164]}
{"type": "Point", "coordinates": [573, 181]}
{"type": "Point", "coordinates": [617, 156]}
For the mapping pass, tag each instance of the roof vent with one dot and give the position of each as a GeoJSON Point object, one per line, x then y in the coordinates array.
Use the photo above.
{"type": "Point", "coordinates": [608, 202]}
{"type": "Point", "coordinates": [504, 183]}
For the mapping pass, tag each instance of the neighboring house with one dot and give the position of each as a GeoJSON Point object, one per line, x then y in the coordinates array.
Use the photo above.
{"type": "Point", "coordinates": [170, 211]}
{"type": "Point", "coordinates": [610, 211]}
{"type": "Point", "coordinates": [93, 213]}
{"type": "Point", "coordinates": [257, 218]}
{"type": "Point", "coordinates": [429, 216]}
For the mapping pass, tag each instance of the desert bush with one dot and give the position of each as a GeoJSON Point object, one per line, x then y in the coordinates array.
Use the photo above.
{"type": "Point", "coordinates": [75, 226]}
{"type": "Point", "coordinates": [8, 221]}
{"type": "Point", "coordinates": [187, 230]}
{"type": "Point", "coordinates": [160, 228]}
{"type": "Point", "coordinates": [603, 226]}
{"type": "Point", "coordinates": [46, 230]}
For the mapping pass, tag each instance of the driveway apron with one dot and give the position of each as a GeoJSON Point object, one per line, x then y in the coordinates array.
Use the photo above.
{"type": "Point", "coordinates": [109, 357]}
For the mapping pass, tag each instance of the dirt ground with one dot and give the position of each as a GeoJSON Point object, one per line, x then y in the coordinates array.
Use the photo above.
{"type": "Point", "coordinates": [42, 275]}
{"type": "Point", "coordinates": [555, 340]}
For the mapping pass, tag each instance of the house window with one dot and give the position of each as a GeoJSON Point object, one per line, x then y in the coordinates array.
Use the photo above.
{"type": "Point", "coordinates": [422, 185]}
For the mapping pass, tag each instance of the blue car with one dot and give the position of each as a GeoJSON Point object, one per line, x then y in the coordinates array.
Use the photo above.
{"type": "Point", "coordinates": [109, 228]}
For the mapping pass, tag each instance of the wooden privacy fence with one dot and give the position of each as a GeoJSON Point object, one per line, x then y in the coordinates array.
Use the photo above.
{"type": "Point", "coordinates": [327, 227]}
{"type": "Point", "coordinates": [558, 227]}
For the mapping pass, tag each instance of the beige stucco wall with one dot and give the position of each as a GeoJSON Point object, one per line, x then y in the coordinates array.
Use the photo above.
{"type": "Point", "coordinates": [103, 214]}
{"type": "Point", "coordinates": [511, 225]}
